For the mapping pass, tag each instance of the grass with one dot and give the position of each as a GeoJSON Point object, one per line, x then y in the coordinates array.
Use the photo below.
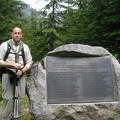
{"type": "Point", "coordinates": [27, 115]}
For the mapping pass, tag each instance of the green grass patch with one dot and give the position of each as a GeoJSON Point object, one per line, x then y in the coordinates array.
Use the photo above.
{"type": "Point", "coordinates": [27, 117]}
{"type": "Point", "coordinates": [25, 102]}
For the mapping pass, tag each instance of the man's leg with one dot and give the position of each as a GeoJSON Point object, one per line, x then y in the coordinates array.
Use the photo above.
{"type": "Point", "coordinates": [7, 112]}
{"type": "Point", "coordinates": [21, 86]}
{"type": "Point", "coordinates": [7, 94]}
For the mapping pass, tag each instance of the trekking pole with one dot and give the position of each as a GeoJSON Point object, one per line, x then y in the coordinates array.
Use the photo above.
{"type": "Point", "coordinates": [16, 116]}
{"type": "Point", "coordinates": [12, 72]}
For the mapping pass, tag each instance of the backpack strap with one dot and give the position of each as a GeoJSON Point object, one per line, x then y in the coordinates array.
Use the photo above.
{"type": "Point", "coordinates": [15, 52]}
{"type": "Point", "coordinates": [23, 55]}
{"type": "Point", "coordinates": [7, 52]}
{"type": "Point", "coordinates": [9, 47]}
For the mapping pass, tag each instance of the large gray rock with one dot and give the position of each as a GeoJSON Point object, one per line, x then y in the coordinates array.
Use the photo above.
{"type": "Point", "coordinates": [36, 87]}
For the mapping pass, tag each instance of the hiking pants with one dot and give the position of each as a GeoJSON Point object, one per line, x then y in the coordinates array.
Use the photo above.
{"type": "Point", "coordinates": [7, 94]}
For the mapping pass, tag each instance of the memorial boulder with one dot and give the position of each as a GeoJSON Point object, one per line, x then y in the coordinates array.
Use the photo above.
{"type": "Point", "coordinates": [75, 82]}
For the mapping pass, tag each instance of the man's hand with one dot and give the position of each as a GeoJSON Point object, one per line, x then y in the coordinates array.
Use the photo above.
{"type": "Point", "coordinates": [19, 73]}
{"type": "Point", "coordinates": [17, 65]}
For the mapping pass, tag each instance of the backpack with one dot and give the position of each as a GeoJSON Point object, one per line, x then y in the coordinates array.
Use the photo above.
{"type": "Point", "coordinates": [9, 47]}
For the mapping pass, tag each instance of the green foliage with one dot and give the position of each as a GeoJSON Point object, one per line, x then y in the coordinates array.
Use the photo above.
{"type": "Point", "coordinates": [108, 27]}
{"type": "Point", "coordinates": [10, 14]}
{"type": "Point", "coordinates": [90, 22]}
{"type": "Point", "coordinates": [93, 26]}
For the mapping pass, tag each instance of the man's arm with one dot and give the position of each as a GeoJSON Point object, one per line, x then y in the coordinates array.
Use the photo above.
{"type": "Point", "coordinates": [28, 61]}
{"type": "Point", "coordinates": [11, 64]}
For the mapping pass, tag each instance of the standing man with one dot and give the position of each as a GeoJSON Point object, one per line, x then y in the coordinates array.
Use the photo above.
{"type": "Point", "coordinates": [22, 65]}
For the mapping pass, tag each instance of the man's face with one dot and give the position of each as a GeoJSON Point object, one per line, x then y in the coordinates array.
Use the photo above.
{"type": "Point", "coordinates": [17, 34]}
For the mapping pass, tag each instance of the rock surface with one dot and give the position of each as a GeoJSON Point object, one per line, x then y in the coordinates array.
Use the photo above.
{"type": "Point", "coordinates": [36, 87]}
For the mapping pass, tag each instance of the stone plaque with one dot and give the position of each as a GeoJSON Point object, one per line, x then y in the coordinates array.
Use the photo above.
{"type": "Point", "coordinates": [78, 80]}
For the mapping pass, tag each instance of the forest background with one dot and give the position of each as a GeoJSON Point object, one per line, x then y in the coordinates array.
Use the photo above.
{"type": "Point", "coordinates": [60, 22]}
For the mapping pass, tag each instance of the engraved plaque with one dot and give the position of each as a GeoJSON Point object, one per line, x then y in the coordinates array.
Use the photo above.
{"type": "Point", "coordinates": [78, 80]}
